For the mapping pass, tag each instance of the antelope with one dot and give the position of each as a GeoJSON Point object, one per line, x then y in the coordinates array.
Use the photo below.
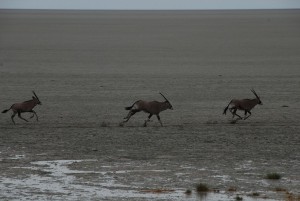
{"type": "Point", "coordinates": [26, 106]}
{"type": "Point", "coordinates": [245, 105]}
{"type": "Point", "coordinates": [152, 107]}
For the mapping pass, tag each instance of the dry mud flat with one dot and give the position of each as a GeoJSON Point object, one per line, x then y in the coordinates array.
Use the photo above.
{"type": "Point", "coordinates": [87, 66]}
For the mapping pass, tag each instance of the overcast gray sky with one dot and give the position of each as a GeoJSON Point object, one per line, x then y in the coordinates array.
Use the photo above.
{"type": "Point", "coordinates": [149, 4]}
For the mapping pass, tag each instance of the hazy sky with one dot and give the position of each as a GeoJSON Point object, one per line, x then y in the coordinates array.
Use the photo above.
{"type": "Point", "coordinates": [149, 4]}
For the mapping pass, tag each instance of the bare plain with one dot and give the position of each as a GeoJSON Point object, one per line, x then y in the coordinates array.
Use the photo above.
{"type": "Point", "coordinates": [86, 66]}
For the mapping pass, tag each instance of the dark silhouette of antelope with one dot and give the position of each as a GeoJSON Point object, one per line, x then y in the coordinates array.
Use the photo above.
{"type": "Point", "coordinates": [245, 105]}
{"type": "Point", "coordinates": [152, 107]}
{"type": "Point", "coordinates": [26, 106]}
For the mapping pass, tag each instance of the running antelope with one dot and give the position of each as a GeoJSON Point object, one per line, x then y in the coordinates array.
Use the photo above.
{"type": "Point", "coordinates": [26, 106]}
{"type": "Point", "coordinates": [245, 104]}
{"type": "Point", "coordinates": [152, 107]}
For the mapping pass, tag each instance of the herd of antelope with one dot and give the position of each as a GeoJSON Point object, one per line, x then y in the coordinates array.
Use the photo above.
{"type": "Point", "coordinates": [150, 107]}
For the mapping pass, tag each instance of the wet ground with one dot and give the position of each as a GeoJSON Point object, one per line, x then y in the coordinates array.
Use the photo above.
{"type": "Point", "coordinates": [87, 66]}
{"type": "Point", "coordinates": [74, 162]}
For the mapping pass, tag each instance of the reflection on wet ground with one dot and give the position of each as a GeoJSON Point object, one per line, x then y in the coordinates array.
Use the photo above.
{"type": "Point", "coordinates": [55, 180]}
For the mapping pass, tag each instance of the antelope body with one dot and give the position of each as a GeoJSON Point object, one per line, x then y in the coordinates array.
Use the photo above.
{"type": "Point", "coordinates": [26, 106]}
{"type": "Point", "coordinates": [152, 107]}
{"type": "Point", "coordinates": [245, 105]}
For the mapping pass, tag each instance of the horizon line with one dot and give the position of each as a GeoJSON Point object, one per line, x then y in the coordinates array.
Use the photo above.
{"type": "Point", "coordinates": [206, 9]}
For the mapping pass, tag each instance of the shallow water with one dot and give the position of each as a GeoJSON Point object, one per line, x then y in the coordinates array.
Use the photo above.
{"type": "Point", "coordinates": [56, 181]}
{"type": "Point", "coordinates": [87, 66]}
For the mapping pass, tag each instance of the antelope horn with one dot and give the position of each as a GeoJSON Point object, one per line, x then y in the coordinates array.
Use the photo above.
{"type": "Point", "coordinates": [164, 97]}
{"type": "Point", "coordinates": [35, 95]}
{"type": "Point", "coordinates": [254, 93]}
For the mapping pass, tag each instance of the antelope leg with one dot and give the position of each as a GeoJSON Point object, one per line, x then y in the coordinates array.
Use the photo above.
{"type": "Point", "coordinates": [34, 113]}
{"type": "Point", "coordinates": [237, 115]}
{"type": "Point", "coordinates": [232, 111]}
{"type": "Point", "coordinates": [130, 114]}
{"type": "Point", "coordinates": [248, 115]}
{"type": "Point", "coordinates": [145, 124]}
{"type": "Point", "coordinates": [12, 117]}
{"type": "Point", "coordinates": [158, 117]}
{"type": "Point", "coordinates": [19, 115]}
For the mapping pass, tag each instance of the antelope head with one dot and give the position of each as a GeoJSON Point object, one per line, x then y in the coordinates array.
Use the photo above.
{"type": "Point", "coordinates": [36, 98]}
{"type": "Point", "coordinates": [257, 97]}
{"type": "Point", "coordinates": [167, 102]}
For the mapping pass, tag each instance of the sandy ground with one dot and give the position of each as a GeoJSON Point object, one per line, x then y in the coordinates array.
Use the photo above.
{"type": "Point", "coordinates": [87, 66]}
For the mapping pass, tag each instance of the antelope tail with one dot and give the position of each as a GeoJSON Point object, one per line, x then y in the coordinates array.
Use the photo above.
{"type": "Point", "coordinates": [226, 108]}
{"type": "Point", "coordinates": [4, 111]}
{"type": "Point", "coordinates": [128, 108]}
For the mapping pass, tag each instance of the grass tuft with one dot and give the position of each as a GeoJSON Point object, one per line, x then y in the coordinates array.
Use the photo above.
{"type": "Point", "coordinates": [232, 189]}
{"type": "Point", "coordinates": [279, 189]}
{"type": "Point", "coordinates": [188, 192]}
{"type": "Point", "coordinates": [255, 194]}
{"type": "Point", "coordinates": [202, 188]}
{"type": "Point", "coordinates": [274, 176]}
{"type": "Point", "coordinates": [158, 190]}
{"type": "Point", "coordinates": [238, 198]}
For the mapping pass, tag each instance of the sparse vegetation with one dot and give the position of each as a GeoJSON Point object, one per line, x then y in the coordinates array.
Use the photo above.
{"type": "Point", "coordinates": [188, 192]}
{"type": "Point", "coordinates": [202, 188]}
{"type": "Point", "coordinates": [238, 198]}
{"type": "Point", "coordinates": [42, 173]}
{"type": "Point", "coordinates": [231, 189]}
{"type": "Point", "coordinates": [216, 190]}
{"type": "Point", "coordinates": [292, 197]}
{"type": "Point", "coordinates": [274, 176]}
{"type": "Point", "coordinates": [279, 189]}
{"type": "Point", "coordinates": [255, 194]}
{"type": "Point", "coordinates": [157, 190]}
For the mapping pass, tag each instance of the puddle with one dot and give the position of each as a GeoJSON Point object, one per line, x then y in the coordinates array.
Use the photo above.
{"type": "Point", "coordinates": [61, 183]}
